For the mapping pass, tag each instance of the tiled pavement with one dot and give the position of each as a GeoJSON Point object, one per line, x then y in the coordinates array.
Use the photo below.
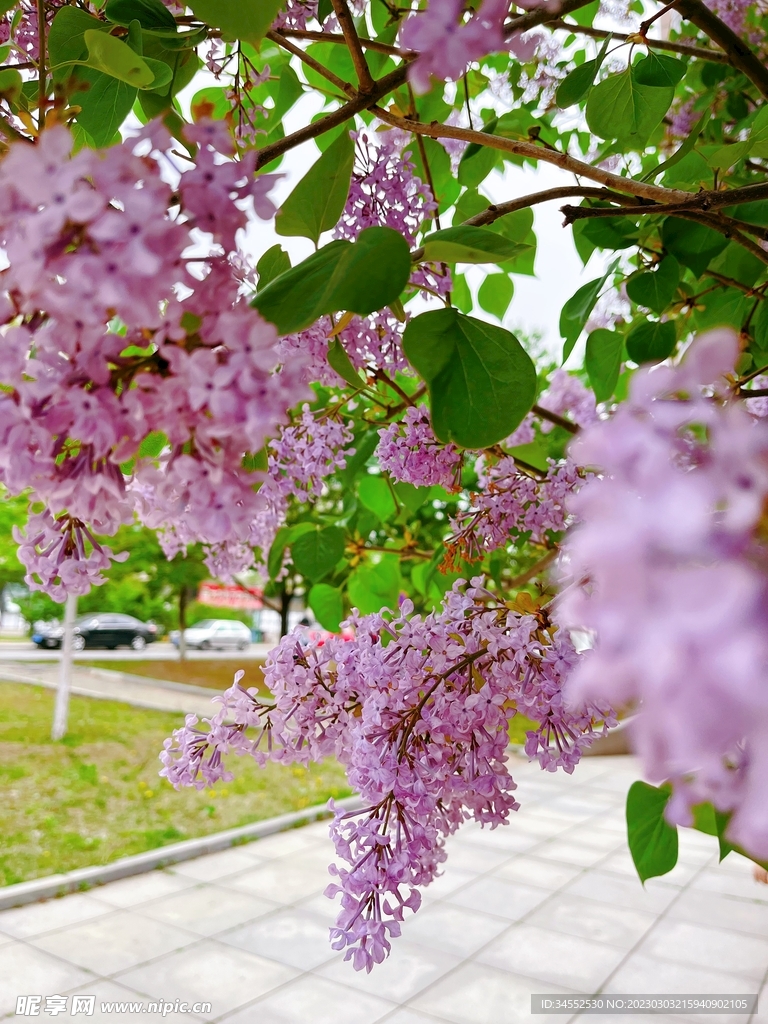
{"type": "Point", "coordinates": [548, 904]}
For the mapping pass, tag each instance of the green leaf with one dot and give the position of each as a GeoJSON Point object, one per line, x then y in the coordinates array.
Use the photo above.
{"type": "Point", "coordinates": [659, 70]}
{"type": "Point", "coordinates": [652, 842]}
{"type": "Point", "coordinates": [650, 341]}
{"type": "Point", "coordinates": [694, 245]}
{"type": "Point", "coordinates": [152, 445]}
{"type": "Point", "coordinates": [611, 232]}
{"type": "Point", "coordinates": [760, 326]}
{"type": "Point", "coordinates": [371, 273]}
{"type": "Point", "coordinates": [620, 108]}
{"type": "Point", "coordinates": [476, 164]}
{"type": "Point", "coordinates": [66, 39]}
{"type": "Point", "coordinates": [495, 294]}
{"type": "Point", "coordinates": [655, 289]}
{"type": "Point", "coordinates": [362, 277]}
{"type": "Point", "coordinates": [315, 553]}
{"type": "Point", "coordinates": [683, 150]}
{"type": "Point", "coordinates": [284, 537]}
{"type": "Point", "coordinates": [114, 57]}
{"type": "Point", "coordinates": [481, 380]}
{"type": "Point", "coordinates": [467, 244]}
{"type": "Point", "coordinates": [327, 605]}
{"type": "Point", "coordinates": [10, 84]}
{"type": "Point", "coordinates": [163, 74]}
{"type": "Point", "coordinates": [411, 497]}
{"type": "Point", "coordinates": [104, 107]}
{"type": "Point", "coordinates": [461, 296]}
{"type": "Point", "coordinates": [721, 307]}
{"type": "Point", "coordinates": [446, 184]}
{"type": "Point", "coordinates": [376, 494]}
{"type": "Point", "coordinates": [238, 19]}
{"type": "Point", "coordinates": [293, 299]}
{"type": "Point", "coordinates": [603, 361]}
{"type": "Point", "coordinates": [704, 819]}
{"type": "Point", "coordinates": [272, 264]}
{"type": "Point", "coordinates": [317, 201]}
{"type": "Point", "coordinates": [576, 85]}
{"type": "Point", "coordinates": [339, 361]}
{"type": "Point", "coordinates": [575, 313]}
{"type": "Point", "coordinates": [727, 156]}
{"type": "Point", "coordinates": [372, 587]}
{"type": "Point", "coordinates": [149, 13]}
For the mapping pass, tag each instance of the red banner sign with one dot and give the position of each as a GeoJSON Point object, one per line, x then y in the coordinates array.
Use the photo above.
{"type": "Point", "coordinates": [218, 595]}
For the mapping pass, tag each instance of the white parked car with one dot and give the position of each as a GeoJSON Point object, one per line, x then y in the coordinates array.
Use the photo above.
{"type": "Point", "coordinates": [215, 634]}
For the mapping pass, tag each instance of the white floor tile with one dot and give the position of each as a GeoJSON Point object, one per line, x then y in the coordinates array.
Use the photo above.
{"type": "Point", "coordinates": [590, 919]}
{"type": "Point", "coordinates": [28, 971]}
{"type": "Point", "coordinates": [696, 944]}
{"type": "Point", "coordinates": [207, 909]}
{"type": "Point", "coordinates": [567, 960]}
{"type": "Point", "coordinates": [313, 1000]}
{"type": "Point", "coordinates": [408, 970]}
{"type": "Point", "coordinates": [226, 977]}
{"type": "Point", "coordinates": [292, 937]}
{"type": "Point", "coordinates": [37, 918]}
{"type": "Point", "coordinates": [113, 943]}
{"type": "Point", "coordinates": [492, 895]}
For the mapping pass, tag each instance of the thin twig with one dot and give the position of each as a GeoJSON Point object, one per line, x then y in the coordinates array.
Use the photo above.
{"type": "Point", "coordinates": [645, 25]}
{"type": "Point", "coordinates": [740, 56]}
{"type": "Point", "coordinates": [42, 91]}
{"type": "Point", "coordinates": [531, 151]}
{"type": "Point", "coordinates": [552, 417]}
{"type": "Point", "coordinates": [344, 113]}
{"type": "Point", "coordinates": [702, 52]}
{"type": "Point", "coordinates": [335, 37]}
{"type": "Point", "coordinates": [353, 45]}
{"type": "Point", "coordinates": [345, 87]}
{"type": "Point", "coordinates": [535, 569]}
{"type": "Point", "coordinates": [496, 210]}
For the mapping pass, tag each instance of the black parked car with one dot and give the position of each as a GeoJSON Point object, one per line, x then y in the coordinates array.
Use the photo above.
{"type": "Point", "coordinates": [109, 630]}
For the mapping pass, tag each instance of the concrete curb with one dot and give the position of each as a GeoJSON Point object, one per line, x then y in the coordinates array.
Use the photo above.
{"type": "Point", "coordinates": [84, 878]}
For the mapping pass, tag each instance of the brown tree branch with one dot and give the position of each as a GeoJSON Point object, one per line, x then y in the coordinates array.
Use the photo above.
{"type": "Point", "coordinates": [495, 211]}
{"type": "Point", "coordinates": [542, 16]}
{"type": "Point", "coordinates": [532, 151]}
{"type": "Point", "coordinates": [739, 54]}
{"type": "Point", "coordinates": [344, 113]}
{"type": "Point", "coordinates": [552, 417]}
{"type": "Point", "coordinates": [715, 56]}
{"type": "Point", "coordinates": [342, 86]}
{"type": "Point", "coordinates": [349, 31]}
{"type": "Point", "coordinates": [730, 229]}
{"type": "Point", "coordinates": [335, 37]}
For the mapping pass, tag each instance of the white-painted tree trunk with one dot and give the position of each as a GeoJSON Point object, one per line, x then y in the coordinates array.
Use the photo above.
{"type": "Point", "coordinates": [61, 713]}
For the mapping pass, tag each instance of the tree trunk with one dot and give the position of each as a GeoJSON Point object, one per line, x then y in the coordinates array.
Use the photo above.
{"type": "Point", "coordinates": [61, 711]}
{"type": "Point", "coordinates": [285, 604]}
{"type": "Point", "coordinates": [182, 621]}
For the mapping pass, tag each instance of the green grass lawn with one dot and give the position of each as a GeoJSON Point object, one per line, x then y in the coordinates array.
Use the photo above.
{"type": "Point", "coordinates": [96, 795]}
{"type": "Point", "coordinates": [216, 674]}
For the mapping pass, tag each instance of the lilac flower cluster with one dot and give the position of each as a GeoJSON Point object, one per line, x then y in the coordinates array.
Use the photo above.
{"type": "Point", "coordinates": [667, 566]}
{"type": "Point", "coordinates": [409, 451]}
{"type": "Point", "coordinates": [732, 12]}
{"type": "Point", "coordinates": [566, 396]}
{"type": "Point", "coordinates": [296, 14]}
{"type": "Point", "coordinates": [513, 503]}
{"type": "Point", "coordinates": [417, 709]}
{"type": "Point", "coordinates": [384, 190]}
{"type": "Point", "coordinates": [446, 43]}
{"type": "Point", "coordinates": [100, 352]}
{"type": "Point", "coordinates": [302, 456]}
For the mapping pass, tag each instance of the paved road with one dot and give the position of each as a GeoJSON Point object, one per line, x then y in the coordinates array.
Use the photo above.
{"type": "Point", "coordinates": [25, 650]}
{"type": "Point", "coordinates": [549, 904]}
{"type": "Point", "coordinates": [102, 684]}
